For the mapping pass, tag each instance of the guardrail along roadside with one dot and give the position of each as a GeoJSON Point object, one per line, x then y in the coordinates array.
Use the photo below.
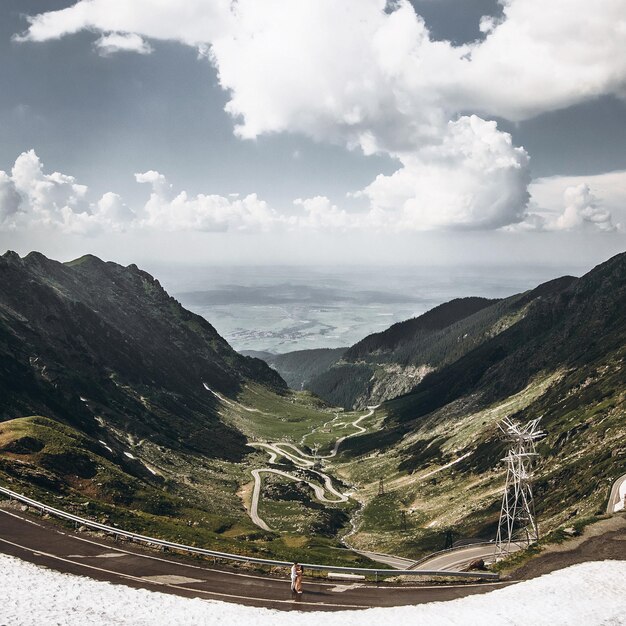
{"type": "Point", "coordinates": [225, 556]}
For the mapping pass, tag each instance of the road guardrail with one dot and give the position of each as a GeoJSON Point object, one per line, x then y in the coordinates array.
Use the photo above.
{"type": "Point", "coordinates": [154, 542]}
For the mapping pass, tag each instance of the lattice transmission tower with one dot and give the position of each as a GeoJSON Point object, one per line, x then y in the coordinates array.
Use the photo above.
{"type": "Point", "coordinates": [518, 526]}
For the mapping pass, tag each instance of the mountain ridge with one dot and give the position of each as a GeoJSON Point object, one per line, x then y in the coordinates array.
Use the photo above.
{"type": "Point", "coordinates": [95, 329]}
{"type": "Point", "coordinates": [298, 367]}
{"type": "Point", "coordinates": [388, 364]}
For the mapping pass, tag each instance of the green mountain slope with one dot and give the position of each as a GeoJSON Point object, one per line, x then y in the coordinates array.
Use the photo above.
{"type": "Point", "coordinates": [300, 366]}
{"type": "Point", "coordinates": [439, 448]}
{"type": "Point", "coordinates": [391, 363]}
{"type": "Point", "coordinates": [118, 404]}
{"type": "Point", "coordinates": [90, 342]}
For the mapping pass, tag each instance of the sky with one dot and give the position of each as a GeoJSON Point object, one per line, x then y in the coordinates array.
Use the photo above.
{"type": "Point", "coordinates": [314, 132]}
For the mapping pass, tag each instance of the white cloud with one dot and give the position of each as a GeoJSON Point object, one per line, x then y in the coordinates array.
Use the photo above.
{"type": "Point", "coordinates": [9, 199]}
{"type": "Point", "coordinates": [544, 56]}
{"type": "Point", "coordinates": [158, 182]}
{"type": "Point", "coordinates": [357, 72]}
{"type": "Point", "coordinates": [353, 73]}
{"type": "Point", "coordinates": [474, 179]}
{"type": "Point", "coordinates": [568, 203]}
{"type": "Point", "coordinates": [610, 187]}
{"type": "Point", "coordinates": [169, 212]}
{"type": "Point", "coordinates": [582, 210]}
{"type": "Point", "coordinates": [322, 214]}
{"type": "Point", "coordinates": [122, 42]}
{"type": "Point", "coordinates": [31, 198]}
{"type": "Point", "coordinates": [111, 209]}
{"type": "Point", "coordinates": [193, 22]}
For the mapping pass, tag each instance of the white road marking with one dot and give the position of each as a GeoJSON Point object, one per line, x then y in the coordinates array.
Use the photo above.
{"type": "Point", "coordinates": [202, 591]}
{"type": "Point", "coordinates": [342, 588]}
{"type": "Point", "coordinates": [163, 560]}
{"type": "Point", "coordinates": [108, 555]}
{"type": "Point", "coordinates": [220, 571]}
{"type": "Point", "coordinates": [173, 580]}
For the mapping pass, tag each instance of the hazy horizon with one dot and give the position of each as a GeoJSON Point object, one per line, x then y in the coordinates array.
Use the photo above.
{"type": "Point", "coordinates": [281, 309]}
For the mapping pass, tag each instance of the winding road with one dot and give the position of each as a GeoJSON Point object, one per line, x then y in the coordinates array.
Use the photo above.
{"type": "Point", "coordinates": [457, 559]}
{"type": "Point", "coordinates": [304, 461]}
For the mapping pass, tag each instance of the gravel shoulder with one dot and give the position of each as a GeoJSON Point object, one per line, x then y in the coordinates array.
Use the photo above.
{"type": "Point", "coordinates": [604, 540]}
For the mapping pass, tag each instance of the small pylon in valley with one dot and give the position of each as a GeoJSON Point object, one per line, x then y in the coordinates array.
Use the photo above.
{"type": "Point", "coordinates": [381, 487]}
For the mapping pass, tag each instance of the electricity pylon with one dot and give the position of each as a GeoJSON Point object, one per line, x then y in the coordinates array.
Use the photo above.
{"type": "Point", "coordinates": [517, 525]}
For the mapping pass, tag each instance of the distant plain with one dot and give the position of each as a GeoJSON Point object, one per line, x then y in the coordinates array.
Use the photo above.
{"type": "Point", "coordinates": [281, 308]}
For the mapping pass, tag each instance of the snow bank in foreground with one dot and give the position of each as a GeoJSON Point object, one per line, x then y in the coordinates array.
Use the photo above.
{"type": "Point", "coordinates": [590, 594]}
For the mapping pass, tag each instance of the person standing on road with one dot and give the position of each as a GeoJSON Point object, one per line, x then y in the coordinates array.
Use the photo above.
{"type": "Point", "coordinates": [299, 574]}
{"type": "Point", "coordinates": [294, 576]}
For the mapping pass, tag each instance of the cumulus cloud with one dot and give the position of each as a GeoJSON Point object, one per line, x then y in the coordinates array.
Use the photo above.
{"type": "Point", "coordinates": [321, 214]}
{"type": "Point", "coordinates": [362, 72]}
{"type": "Point", "coordinates": [193, 22]}
{"type": "Point", "coordinates": [31, 198]}
{"type": "Point", "coordinates": [582, 209]}
{"type": "Point", "coordinates": [157, 181]}
{"type": "Point", "coordinates": [171, 212]}
{"type": "Point", "coordinates": [368, 74]}
{"type": "Point", "coordinates": [578, 208]}
{"type": "Point", "coordinates": [122, 42]}
{"type": "Point", "coordinates": [474, 179]}
{"type": "Point", "coordinates": [547, 56]}
{"type": "Point", "coordinates": [111, 209]}
{"type": "Point", "coordinates": [9, 199]}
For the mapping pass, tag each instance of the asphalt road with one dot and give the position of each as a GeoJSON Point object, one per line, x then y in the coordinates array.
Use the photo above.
{"type": "Point", "coordinates": [618, 493]}
{"type": "Point", "coordinates": [302, 460]}
{"type": "Point", "coordinates": [458, 560]}
{"type": "Point", "coordinates": [43, 543]}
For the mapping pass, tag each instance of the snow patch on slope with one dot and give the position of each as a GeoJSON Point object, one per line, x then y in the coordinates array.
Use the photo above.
{"type": "Point", "coordinates": [590, 593]}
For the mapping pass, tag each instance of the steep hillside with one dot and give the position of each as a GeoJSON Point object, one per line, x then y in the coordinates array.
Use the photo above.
{"type": "Point", "coordinates": [301, 366]}
{"type": "Point", "coordinates": [439, 448]}
{"type": "Point", "coordinates": [395, 341]}
{"type": "Point", "coordinates": [89, 342]}
{"type": "Point", "coordinates": [118, 404]}
{"type": "Point", "coordinates": [388, 364]}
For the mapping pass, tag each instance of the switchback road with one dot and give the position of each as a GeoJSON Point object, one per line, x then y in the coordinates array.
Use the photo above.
{"type": "Point", "coordinates": [302, 460]}
{"type": "Point", "coordinates": [40, 542]}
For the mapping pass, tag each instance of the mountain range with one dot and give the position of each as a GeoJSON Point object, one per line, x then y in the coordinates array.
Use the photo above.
{"type": "Point", "coordinates": [110, 389]}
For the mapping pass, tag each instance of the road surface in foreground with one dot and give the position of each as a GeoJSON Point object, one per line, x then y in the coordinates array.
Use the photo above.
{"type": "Point", "coordinates": [41, 542]}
